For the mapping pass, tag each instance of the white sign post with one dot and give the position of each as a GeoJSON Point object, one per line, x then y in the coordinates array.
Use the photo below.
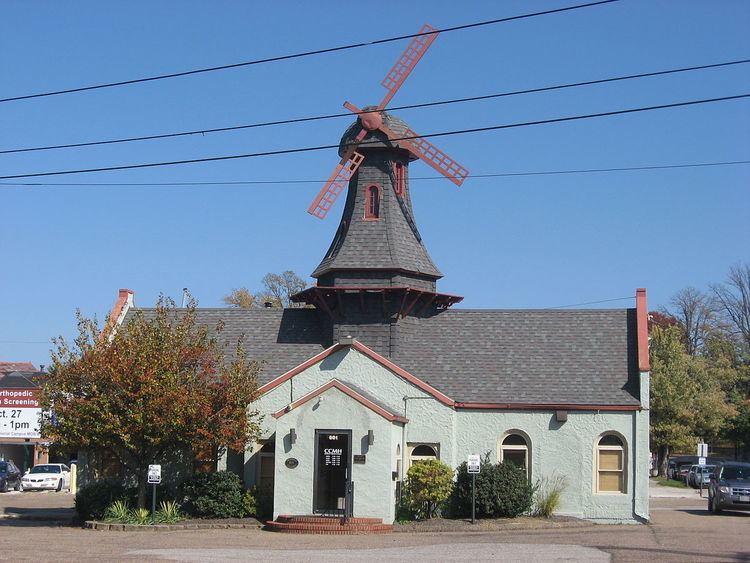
{"type": "Point", "coordinates": [473, 465]}
{"type": "Point", "coordinates": [154, 478]}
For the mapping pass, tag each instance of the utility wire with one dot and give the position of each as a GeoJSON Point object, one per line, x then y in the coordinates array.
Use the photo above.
{"type": "Point", "coordinates": [592, 302]}
{"type": "Point", "coordinates": [397, 108]}
{"type": "Point", "coordinates": [411, 178]}
{"type": "Point", "coordinates": [305, 53]}
{"type": "Point", "coordinates": [366, 143]}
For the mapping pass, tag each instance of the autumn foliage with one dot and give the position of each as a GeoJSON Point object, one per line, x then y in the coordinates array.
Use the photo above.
{"type": "Point", "coordinates": [158, 386]}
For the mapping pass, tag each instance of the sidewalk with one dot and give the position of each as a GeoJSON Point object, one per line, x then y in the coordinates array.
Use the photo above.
{"type": "Point", "coordinates": [659, 491]}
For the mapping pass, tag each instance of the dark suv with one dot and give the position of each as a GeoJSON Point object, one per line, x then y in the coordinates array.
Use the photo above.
{"type": "Point", "coordinates": [729, 488]}
{"type": "Point", "coordinates": [10, 476]}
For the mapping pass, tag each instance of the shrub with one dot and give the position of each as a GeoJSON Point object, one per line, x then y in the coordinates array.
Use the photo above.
{"type": "Point", "coordinates": [118, 511]}
{"type": "Point", "coordinates": [250, 502]}
{"type": "Point", "coordinates": [214, 495]}
{"type": "Point", "coordinates": [548, 495]}
{"type": "Point", "coordinates": [428, 485]}
{"type": "Point", "coordinates": [93, 499]}
{"type": "Point", "coordinates": [140, 516]}
{"type": "Point", "coordinates": [502, 491]}
{"type": "Point", "coordinates": [168, 512]}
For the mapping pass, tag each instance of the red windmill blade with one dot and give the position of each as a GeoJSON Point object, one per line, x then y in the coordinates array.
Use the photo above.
{"type": "Point", "coordinates": [373, 120]}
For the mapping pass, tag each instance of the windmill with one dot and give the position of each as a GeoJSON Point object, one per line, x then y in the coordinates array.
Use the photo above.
{"type": "Point", "coordinates": [370, 121]}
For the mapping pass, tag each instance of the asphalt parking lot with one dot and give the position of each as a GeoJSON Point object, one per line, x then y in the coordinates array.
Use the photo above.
{"type": "Point", "coordinates": [681, 530]}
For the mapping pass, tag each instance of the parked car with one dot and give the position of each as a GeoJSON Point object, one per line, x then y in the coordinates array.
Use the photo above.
{"type": "Point", "coordinates": [55, 476]}
{"type": "Point", "coordinates": [729, 488]}
{"type": "Point", "coordinates": [699, 473]}
{"type": "Point", "coordinates": [10, 476]}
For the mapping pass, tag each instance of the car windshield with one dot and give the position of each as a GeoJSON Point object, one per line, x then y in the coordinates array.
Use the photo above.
{"type": "Point", "coordinates": [736, 473]}
{"type": "Point", "coordinates": [46, 469]}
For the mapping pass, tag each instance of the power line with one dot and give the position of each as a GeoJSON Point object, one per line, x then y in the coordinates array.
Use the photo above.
{"type": "Point", "coordinates": [305, 53]}
{"type": "Point", "coordinates": [325, 147]}
{"type": "Point", "coordinates": [411, 179]}
{"type": "Point", "coordinates": [592, 302]}
{"type": "Point", "coordinates": [397, 108]}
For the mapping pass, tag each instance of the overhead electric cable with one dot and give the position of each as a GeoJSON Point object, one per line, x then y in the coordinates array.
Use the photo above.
{"type": "Point", "coordinates": [411, 178]}
{"type": "Point", "coordinates": [397, 108]}
{"type": "Point", "coordinates": [305, 53]}
{"type": "Point", "coordinates": [591, 302]}
{"type": "Point", "coordinates": [431, 135]}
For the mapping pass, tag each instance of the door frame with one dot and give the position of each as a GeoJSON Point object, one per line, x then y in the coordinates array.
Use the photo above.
{"type": "Point", "coordinates": [318, 432]}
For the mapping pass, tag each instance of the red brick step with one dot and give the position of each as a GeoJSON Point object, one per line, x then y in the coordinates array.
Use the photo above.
{"type": "Point", "coordinates": [306, 524]}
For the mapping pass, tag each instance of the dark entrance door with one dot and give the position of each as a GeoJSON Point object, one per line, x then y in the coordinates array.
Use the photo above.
{"type": "Point", "coordinates": [331, 471]}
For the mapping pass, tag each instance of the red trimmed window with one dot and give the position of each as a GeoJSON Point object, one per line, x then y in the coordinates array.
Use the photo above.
{"type": "Point", "coordinates": [398, 175]}
{"type": "Point", "coordinates": [372, 202]}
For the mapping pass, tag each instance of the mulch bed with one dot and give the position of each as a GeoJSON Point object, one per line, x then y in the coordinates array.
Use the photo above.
{"type": "Point", "coordinates": [194, 524]}
{"type": "Point", "coordinates": [488, 525]}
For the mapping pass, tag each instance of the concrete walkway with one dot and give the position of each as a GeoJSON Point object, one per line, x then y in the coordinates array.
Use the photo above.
{"type": "Point", "coordinates": [658, 491]}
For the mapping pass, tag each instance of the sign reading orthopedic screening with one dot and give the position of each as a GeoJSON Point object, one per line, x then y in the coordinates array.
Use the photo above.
{"type": "Point", "coordinates": [19, 413]}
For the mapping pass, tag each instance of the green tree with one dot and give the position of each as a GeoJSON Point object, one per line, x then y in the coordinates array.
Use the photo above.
{"type": "Point", "coordinates": [157, 386]}
{"type": "Point", "coordinates": [688, 394]}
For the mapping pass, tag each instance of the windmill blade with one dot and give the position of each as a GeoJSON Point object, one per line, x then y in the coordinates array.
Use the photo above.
{"type": "Point", "coordinates": [428, 152]}
{"type": "Point", "coordinates": [336, 183]}
{"type": "Point", "coordinates": [406, 62]}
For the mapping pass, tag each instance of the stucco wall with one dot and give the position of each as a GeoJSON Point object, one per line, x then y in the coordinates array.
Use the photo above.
{"type": "Point", "coordinates": [566, 449]}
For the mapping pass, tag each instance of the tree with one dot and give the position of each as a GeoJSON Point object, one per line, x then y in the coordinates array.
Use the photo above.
{"type": "Point", "coordinates": [694, 311]}
{"type": "Point", "coordinates": [158, 386]}
{"type": "Point", "coordinates": [734, 299]}
{"type": "Point", "coordinates": [688, 395]}
{"type": "Point", "coordinates": [277, 291]}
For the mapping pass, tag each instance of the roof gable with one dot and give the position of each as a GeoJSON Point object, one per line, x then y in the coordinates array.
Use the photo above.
{"type": "Point", "coordinates": [335, 383]}
{"type": "Point", "coordinates": [361, 348]}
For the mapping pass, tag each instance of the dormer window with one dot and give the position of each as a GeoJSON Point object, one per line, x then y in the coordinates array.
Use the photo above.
{"type": "Point", "coordinates": [398, 176]}
{"type": "Point", "coordinates": [372, 202]}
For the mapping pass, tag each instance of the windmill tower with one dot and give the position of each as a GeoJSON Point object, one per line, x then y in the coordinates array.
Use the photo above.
{"type": "Point", "coordinates": [377, 270]}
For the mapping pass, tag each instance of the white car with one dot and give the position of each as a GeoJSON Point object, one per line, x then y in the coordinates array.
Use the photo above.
{"type": "Point", "coordinates": [55, 476]}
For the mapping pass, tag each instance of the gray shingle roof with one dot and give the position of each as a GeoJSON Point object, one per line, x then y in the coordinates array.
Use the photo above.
{"type": "Point", "coordinates": [485, 356]}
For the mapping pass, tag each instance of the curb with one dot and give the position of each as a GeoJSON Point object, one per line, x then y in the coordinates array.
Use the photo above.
{"type": "Point", "coordinates": [113, 527]}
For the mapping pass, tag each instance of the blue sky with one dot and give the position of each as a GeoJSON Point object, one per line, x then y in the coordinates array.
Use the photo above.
{"type": "Point", "coordinates": [512, 242]}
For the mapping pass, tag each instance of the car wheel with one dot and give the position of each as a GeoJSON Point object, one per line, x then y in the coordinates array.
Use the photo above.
{"type": "Point", "coordinates": [17, 487]}
{"type": "Point", "coordinates": [59, 485]}
{"type": "Point", "coordinates": [4, 488]}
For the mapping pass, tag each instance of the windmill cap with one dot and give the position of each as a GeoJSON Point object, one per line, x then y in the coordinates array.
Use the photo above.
{"type": "Point", "coordinates": [396, 124]}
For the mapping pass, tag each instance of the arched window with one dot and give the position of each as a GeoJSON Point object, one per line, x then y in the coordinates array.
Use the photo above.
{"type": "Point", "coordinates": [372, 202]}
{"type": "Point", "coordinates": [610, 464]}
{"type": "Point", "coordinates": [514, 448]}
{"type": "Point", "coordinates": [423, 452]}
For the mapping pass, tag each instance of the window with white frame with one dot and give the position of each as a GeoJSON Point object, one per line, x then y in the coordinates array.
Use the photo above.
{"type": "Point", "coordinates": [610, 464]}
{"type": "Point", "coordinates": [423, 452]}
{"type": "Point", "coordinates": [514, 448]}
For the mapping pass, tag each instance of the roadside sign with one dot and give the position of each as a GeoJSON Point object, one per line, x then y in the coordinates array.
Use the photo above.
{"type": "Point", "coordinates": [702, 450]}
{"type": "Point", "coordinates": [473, 464]}
{"type": "Point", "coordinates": [701, 461]}
{"type": "Point", "coordinates": [154, 474]}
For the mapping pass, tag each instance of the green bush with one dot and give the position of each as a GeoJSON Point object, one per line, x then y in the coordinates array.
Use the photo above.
{"type": "Point", "coordinates": [92, 500]}
{"type": "Point", "coordinates": [214, 495]}
{"type": "Point", "coordinates": [428, 485]}
{"type": "Point", "coordinates": [502, 491]}
{"type": "Point", "coordinates": [168, 512]}
{"type": "Point", "coordinates": [250, 502]}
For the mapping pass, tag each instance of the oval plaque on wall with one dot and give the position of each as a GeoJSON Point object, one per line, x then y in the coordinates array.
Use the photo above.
{"type": "Point", "coordinates": [291, 463]}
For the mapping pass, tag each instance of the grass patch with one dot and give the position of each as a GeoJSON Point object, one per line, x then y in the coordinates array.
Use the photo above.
{"type": "Point", "coordinates": [664, 482]}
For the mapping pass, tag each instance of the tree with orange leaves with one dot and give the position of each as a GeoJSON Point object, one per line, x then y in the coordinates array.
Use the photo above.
{"type": "Point", "coordinates": [150, 390]}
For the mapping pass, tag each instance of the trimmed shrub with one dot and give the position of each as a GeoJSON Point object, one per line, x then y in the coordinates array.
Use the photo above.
{"type": "Point", "coordinates": [250, 502]}
{"type": "Point", "coordinates": [92, 500]}
{"type": "Point", "coordinates": [428, 485]}
{"type": "Point", "coordinates": [502, 491]}
{"type": "Point", "coordinates": [214, 495]}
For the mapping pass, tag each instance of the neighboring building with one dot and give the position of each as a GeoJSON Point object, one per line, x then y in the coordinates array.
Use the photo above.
{"type": "Point", "coordinates": [380, 373]}
{"type": "Point", "coordinates": [20, 440]}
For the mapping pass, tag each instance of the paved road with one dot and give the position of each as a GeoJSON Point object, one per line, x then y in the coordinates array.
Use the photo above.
{"type": "Point", "coordinates": [681, 530]}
